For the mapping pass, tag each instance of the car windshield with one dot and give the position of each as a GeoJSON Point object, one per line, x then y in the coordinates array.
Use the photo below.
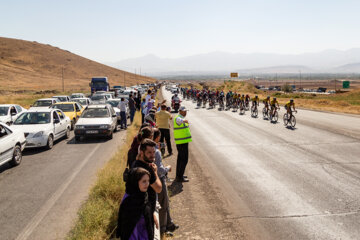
{"type": "Point", "coordinates": [99, 84]}
{"type": "Point", "coordinates": [76, 96]}
{"type": "Point", "coordinates": [4, 111]}
{"type": "Point", "coordinates": [98, 97]}
{"type": "Point", "coordinates": [42, 103]}
{"type": "Point", "coordinates": [81, 101]}
{"type": "Point", "coordinates": [33, 118]}
{"type": "Point", "coordinates": [96, 113]}
{"type": "Point", "coordinates": [113, 103]}
{"type": "Point", "coordinates": [65, 107]}
{"type": "Point", "coordinates": [62, 99]}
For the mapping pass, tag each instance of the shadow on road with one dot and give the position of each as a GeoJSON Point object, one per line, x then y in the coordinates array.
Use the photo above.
{"type": "Point", "coordinates": [88, 140]}
{"type": "Point", "coordinates": [5, 167]}
{"type": "Point", "coordinates": [175, 188]}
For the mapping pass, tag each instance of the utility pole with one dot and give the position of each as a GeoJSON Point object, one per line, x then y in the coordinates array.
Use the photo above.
{"type": "Point", "coordinates": [124, 78]}
{"type": "Point", "coordinates": [62, 77]}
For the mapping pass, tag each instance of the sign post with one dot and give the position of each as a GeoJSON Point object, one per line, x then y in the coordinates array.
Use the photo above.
{"type": "Point", "coordinates": [346, 84]}
{"type": "Point", "coordinates": [234, 75]}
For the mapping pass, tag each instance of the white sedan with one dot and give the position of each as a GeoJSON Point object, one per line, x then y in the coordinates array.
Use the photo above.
{"type": "Point", "coordinates": [43, 127]}
{"type": "Point", "coordinates": [9, 112]}
{"type": "Point", "coordinates": [96, 120]}
{"type": "Point", "coordinates": [12, 143]}
{"type": "Point", "coordinates": [43, 103]}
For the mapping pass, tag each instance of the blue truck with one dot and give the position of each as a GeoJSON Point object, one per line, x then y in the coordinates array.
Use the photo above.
{"type": "Point", "coordinates": [99, 84]}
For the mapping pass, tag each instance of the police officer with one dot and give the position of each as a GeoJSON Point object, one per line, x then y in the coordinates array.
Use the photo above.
{"type": "Point", "coordinates": [182, 137]}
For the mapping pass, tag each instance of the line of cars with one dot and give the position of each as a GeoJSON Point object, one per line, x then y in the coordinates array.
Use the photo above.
{"type": "Point", "coordinates": [52, 119]}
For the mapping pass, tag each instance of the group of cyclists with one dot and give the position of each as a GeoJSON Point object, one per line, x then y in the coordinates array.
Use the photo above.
{"type": "Point", "coordinates": [234, 100]}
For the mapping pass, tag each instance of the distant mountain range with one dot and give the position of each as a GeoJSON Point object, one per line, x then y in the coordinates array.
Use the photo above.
{"type": "Point", "coordinates": [328, 61]}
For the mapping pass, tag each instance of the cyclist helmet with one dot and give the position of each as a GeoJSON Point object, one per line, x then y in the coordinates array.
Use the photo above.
{"type": "Point", "coordinates": [274, 98]}
{"type": "Point", "coordinates": [291, 100]}
{"type": "Point", "coordinates": [175, 94]}
{"type": "Point", "coordinates": [242, 95]}
{"type": "Point", "coordinates": [268, 97]}
{"type": "Point", "coordinates": [256, 96]}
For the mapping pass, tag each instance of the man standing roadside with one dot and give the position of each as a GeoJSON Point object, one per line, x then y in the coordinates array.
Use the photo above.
{"type": "Point", "coordinates": [182, 136]}
{"type": "Point", "coordinates": [166, 224]}
{"type": "Point", "coordinates": [143, 110]}
{"type": "Point", "coordinates": [122, 106]}
{"type": "Point", "coordinates": [132, 108]}
{"type": "Point", "coordinates": [162, 121]}
{"type": "Point", "coordinates": [146, 160]}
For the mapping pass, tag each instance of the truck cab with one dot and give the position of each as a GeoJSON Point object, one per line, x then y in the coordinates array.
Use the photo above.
{"type": "Point", "coordinates": [99, 84]}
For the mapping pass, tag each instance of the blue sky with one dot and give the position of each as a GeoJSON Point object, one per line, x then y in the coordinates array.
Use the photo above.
{"type": "Point", "coordinates": [109, 31]}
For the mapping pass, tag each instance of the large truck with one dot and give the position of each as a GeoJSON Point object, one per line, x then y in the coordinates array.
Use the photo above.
{"type": "Point", "coordinates": [99, 84]}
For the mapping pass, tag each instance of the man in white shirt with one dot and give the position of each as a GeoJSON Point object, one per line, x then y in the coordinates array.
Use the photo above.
{"type": "Point", "coordinates": [122, 106]}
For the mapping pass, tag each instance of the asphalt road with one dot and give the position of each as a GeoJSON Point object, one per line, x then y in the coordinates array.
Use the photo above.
{"type": "Point", "coordinates": [280, 183]}
{"type": "Point", "coordinates": [39, 199]}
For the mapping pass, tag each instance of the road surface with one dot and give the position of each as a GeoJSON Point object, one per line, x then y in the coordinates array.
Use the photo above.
{"type": "Point", "coordinates": [39, 198]}
{"type": "Point", "coordinates": [278, 183]}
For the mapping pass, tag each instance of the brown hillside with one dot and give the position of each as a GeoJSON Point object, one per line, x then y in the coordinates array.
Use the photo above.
{"type": "Point", "coordinates": [26, 65]}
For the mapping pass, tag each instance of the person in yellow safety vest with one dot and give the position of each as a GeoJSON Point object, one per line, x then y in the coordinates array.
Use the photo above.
{"type": "Point", "coordinates": [182, 136]}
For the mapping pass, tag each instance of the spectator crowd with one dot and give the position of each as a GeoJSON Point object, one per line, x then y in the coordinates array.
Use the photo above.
{"type": "Point", "coordinates": [146, 175]}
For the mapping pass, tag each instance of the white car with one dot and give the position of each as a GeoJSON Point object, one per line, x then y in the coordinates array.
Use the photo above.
{"type": "Point", "coordinates": [43, 103]}
{"type": "Point", "coordinates": [77, 95]}
{"type": "Point", "coordinates": [62, 98]}
{"type": "Point", "coordinates": [9, 112]}
{"type": "Point", "coordinates": [43, 127]}
{"type": "Point", "coordinates": [12, 143]}
{"type": "Point", "coordinates": [83, 101]}
{"type": "Point", "coordinates": [99, 98]}
{"type": "Point", "coordinates": [96, 120]}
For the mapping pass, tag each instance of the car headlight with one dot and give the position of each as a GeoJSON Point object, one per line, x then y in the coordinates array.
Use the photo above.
{"type": "Point", "coordinates": [38, 134]}
{"type": "Point", "coordinates": [105, 126]}
{"type": "Point", "coordinates": [79, 126]}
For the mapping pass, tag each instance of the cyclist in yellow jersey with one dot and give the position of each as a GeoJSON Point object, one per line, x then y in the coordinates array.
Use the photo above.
{"type": "Point", "coordinates": [242, 100]}
{"type": "Point", "coordinates": [266, 102]}
{"type": "Point", "coordinates": [255, 100]}
{"type": "Point", "coordinates": [288, 107]}
{"type": "Point", "coordinates": [274, 104]}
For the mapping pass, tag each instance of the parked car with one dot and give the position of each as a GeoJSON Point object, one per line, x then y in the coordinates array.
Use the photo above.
{"type": "Point", "coordinates": [77, 95]}
{"type": "Point", "coordinates": [43, 103]}
{"type": "Point", "coordinates": [43, 127]}
{"type": "Point", "coordinates": [73, 110]}
{"type": "Point", "coordinates": [62, 98]}
{"type": "Point", "coordinates": [9, 113]}
{"type": "Point", "coordinates": [83, 101]}
{"type": "Point", "coordinates": [98, 98]}
{"type": "Point", "coordinates": [96, 120]}
{"type": "Point", "coordinates": [12, 143]}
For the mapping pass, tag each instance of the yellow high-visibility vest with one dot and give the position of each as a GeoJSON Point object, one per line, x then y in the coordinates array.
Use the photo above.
{"type": "Point", "coordinates": [182, 133]}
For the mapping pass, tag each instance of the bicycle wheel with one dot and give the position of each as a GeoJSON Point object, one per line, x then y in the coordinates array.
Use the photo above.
{"type": "Point", "coordinates": [264, 112]}
{"type": "Point", "coordinates": [293, 121]}
{"type": "Point", "coordinates": [286, 119]}
{"type": "Point", "coordinates": [256, 113]}
{"type": "Point", "coordinates": [275, 117]}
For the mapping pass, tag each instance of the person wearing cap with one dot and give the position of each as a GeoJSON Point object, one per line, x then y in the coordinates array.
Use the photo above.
{"type": "Point", "coordinates": [182, 136]}
{"type": "Point", "coordinates": [162, 121]}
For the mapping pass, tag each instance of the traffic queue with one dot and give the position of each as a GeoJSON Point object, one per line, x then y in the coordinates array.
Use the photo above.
{"type": "Point", "coordinates": [50, 120]}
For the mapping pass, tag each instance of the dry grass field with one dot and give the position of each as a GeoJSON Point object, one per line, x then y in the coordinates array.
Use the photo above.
{"type": "Point", "coordinates": [27, 66]}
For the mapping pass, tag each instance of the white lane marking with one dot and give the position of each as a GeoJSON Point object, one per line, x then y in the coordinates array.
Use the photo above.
{"type": "Point", "coordinates": [34, 222]}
